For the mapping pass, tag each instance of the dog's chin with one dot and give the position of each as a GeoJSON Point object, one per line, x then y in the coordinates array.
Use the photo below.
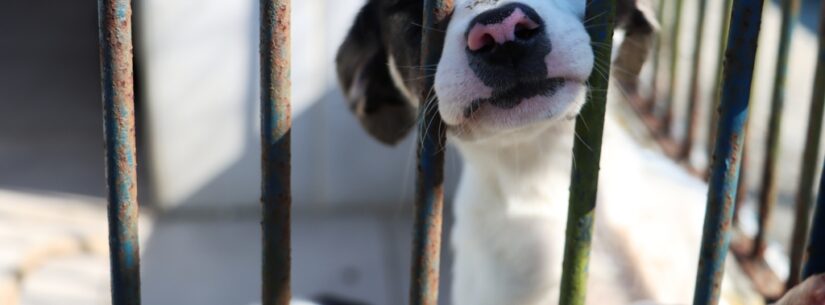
{"type": "Point", "coordinates": [487, 121]}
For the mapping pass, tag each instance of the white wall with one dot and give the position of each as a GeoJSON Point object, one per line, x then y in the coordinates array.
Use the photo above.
{"type": "Point", "coordinates": [200, 59]}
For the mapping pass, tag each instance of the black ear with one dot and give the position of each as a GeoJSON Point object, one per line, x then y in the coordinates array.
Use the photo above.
{"type": "Point", "coordinates": [364, 75]}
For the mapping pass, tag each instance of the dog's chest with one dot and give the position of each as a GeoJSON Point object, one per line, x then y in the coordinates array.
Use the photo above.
{"type": "Point", "coordinates": [508, 235]}
{"type": "Point", "coordinates": [507, 255]}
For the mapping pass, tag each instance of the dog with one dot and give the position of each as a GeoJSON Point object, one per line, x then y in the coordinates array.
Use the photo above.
{"type": "Point", "coordinates": [510, 82]}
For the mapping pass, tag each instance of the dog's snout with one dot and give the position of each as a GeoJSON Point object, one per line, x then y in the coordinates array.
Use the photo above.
{"type": "Point", "coordinates": [511, 23]}
{"type": "Point", "coordinates": [508, 45]}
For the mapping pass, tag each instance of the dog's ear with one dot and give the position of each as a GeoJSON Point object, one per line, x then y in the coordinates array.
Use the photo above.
{"type": "Point", "coordinates": [637, 16]}
{"type": "Point", "coordinates": [638, 20]}
{"type": "Point", "coordinates": [364, 75]}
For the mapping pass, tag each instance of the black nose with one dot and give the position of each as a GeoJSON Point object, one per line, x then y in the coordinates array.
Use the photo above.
{"type": "Point", "coordinates": [507, 45]}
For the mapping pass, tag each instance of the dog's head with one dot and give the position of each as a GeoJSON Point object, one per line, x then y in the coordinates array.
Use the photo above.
{"type": "Point", "coordinates": [505, 65]}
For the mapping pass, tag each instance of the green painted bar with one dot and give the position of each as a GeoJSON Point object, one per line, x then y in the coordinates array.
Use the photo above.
{"type": "Point", "coordinates": [587, 155]}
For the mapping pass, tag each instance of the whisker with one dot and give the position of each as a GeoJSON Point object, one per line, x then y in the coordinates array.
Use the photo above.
{"type": "Point", "coordinates": [427, 28]}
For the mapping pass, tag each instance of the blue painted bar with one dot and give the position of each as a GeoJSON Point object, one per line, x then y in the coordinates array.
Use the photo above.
{"type": "Point", "coordinates": [587, 151]}
{"type": "Point", "coordinates": [115, 26]}
{"type": "Point", "coordinates": [815, 252]}
{"type": "Point", "coordinates": [276, 126]}
{"type": "Point", "coordinates": [429, 196]}
{"type": "Point", "coordinates": [804, 195]}
{"type": "Point", "coordinates": [740, 57]}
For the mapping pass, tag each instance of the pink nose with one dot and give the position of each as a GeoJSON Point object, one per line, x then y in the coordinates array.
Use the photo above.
{"type": "Point", "coordinates": [500, 27]}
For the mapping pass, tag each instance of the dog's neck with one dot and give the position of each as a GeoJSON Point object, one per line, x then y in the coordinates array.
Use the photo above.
{"type": "Point", "coordinates": [518, 171]}
{"type": "Point", "coordinates": [509, 216]}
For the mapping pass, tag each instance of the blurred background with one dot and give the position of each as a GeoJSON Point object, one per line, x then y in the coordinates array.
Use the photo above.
{"type": "Point", "coordinates": [196, 69]}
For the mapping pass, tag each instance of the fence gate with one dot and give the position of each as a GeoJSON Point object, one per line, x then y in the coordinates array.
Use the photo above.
{"type": "Point", "coordinates": [742, 21]}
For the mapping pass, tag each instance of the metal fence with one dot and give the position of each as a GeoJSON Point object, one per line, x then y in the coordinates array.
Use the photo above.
{"type": "Point", "coordinates": [743, 22]}
{"type": "Point", "coordinates": [727, 142]}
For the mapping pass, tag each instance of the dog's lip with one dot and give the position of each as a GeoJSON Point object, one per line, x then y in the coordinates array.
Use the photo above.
{"type": "Point", "coordinates": [523, 90]}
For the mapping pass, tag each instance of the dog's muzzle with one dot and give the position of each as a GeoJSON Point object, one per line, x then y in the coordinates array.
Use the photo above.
{"type": "Point", "coordinates": [506, 48]}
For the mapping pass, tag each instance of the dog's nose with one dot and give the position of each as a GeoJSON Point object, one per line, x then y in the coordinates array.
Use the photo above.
{"type": "Point", "coordinates": [516, 22]}
{"type": "Point", "coordinates": [508, 45]}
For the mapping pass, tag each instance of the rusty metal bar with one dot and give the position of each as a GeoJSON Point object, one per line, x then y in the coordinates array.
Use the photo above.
{"type": "Point", "coordinates": [767, 195]}
{"type": "Point", "coordinates": [587, 155]}
{"type": "Point", "coordinates": [815, 251]}
{"type": "Point", "coordinates": [695, 86]}
{"type": "Point", "coordinates": [429, 196]}
{"type": "Point", "coordinates": [667, 116]}
{"type": "Point", "coordinates": [115, 26]}
{"type": "Point", "coordinates": [740, 59]}
{"type": "Point", "coordinates": [804, 195]}
{"type": "Point", "coordinates": [657, 54]}
{"type": "Point", "coordinates": [713, 109]}
{"type": "Point", "coordinates": [276, 126]}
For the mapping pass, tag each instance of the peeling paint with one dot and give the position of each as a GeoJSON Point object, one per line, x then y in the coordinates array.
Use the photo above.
{"type": "Point", "coordinates": [724, 174]}
{"type": "Point", "coordinates": [429, 197]}
{"type": "Point", "coordinates": [115, 26]}
{"type": "Point", "coordinates": [276, 126]}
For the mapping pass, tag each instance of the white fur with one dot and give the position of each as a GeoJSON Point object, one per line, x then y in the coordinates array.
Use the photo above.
{"type": "Point", "coordinates": [571, 58]}
{"type": "Point", "coordinates": [510, 214]}
{"type": "Point", "coordinates": [511, 202]}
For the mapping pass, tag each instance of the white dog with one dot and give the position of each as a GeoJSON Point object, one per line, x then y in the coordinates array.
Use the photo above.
{"type": "Point", "coordinates": [511, 80]}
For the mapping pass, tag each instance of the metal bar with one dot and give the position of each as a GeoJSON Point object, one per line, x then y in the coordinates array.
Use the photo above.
{"type": "Point", "coordinates": [713, 109]}
{"type": "Point", "coordinates": [742, 181]}
{"type": "Point", "coordinates": [804, 195]}
{"type": "Point", "coordinates": [767, 195]}
{"type": "Point", "coordinates": [740, 59]}
{"type": "Point", "coordinates": [276, 126]}
{"type": "Point", "coordinates": [587, 155]}
{"type": "Point", "coordinates": [674, 64]}
{"type": "Point", "coordinates": [115, 26]}
{"type": "Point", "coordinates": [429, 196]}
{"type": "Point", "coordinates": [815, 252]}
{"type": "Point", "coordinates": [695, 86]}
{"type": "Point", "coordinates": [657, 54]}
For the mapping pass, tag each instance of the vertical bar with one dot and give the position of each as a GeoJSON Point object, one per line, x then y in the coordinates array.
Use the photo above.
{"type": "Point", "coordinates": [276, 126]}
{"type": "Point", "coordinates": [657, 54]}
{"type": "Point", "coordinates": [767, 195]}
{"type": "Point", "coordinates": [587, 155]}
{"type": "Point", "coordinates": [804, 195]}
{"type": "Point", "coordinates": [713, 109]}
{"type": "Point", "coordinates": [429, 196]}
{"type": "Point", "coordinates": [695, 86]}
{"type": "Point", "coordinates": [739, 64]}
{"type": "Point", "coordinates": [674, 64]}
{"type": "Point", "coordinates": [115, 26]}
{"type": "Point", "coordinates": [742, 184]}
{"type": "Point", "coordinates": [815, 252]}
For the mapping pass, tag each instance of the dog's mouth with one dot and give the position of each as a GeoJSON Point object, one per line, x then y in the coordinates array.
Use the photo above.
{"type": "Point", "coordinates": [511, 97]}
